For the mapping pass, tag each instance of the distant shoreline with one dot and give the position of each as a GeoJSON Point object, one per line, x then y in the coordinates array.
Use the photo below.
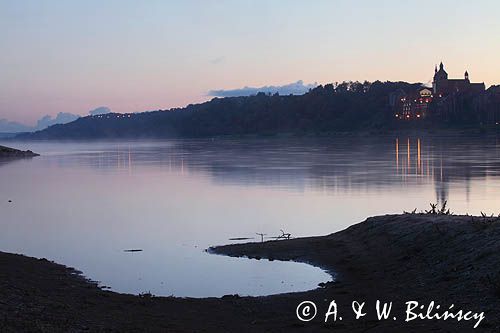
{"type": "Point", "coordinates": [443, 258]}
{"type": "Point", "coordinates": [477, 132]}
{"type": "Point", "coordinates": [344, 107]}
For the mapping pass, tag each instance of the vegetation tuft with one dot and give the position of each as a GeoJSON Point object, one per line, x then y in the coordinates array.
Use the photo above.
{"type": "Point", "coordinates": [435, 211]}
{"type": "Point", "coordinates": [444, 210]}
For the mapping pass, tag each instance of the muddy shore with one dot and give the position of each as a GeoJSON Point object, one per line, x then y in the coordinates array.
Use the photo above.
{"type": "Point", "coordinates": [398, 258]}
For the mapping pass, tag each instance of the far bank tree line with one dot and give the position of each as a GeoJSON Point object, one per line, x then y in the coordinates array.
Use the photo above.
{"type": "Point", "coordinates": [339, 107]}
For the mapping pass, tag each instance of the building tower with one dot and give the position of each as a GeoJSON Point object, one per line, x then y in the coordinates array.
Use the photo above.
{"type": "Point", "coordinates": [440, 79]}
{"type": "Point", "coordinates": [467, 76]}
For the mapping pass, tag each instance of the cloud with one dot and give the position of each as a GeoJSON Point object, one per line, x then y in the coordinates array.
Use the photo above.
{"type": "Point", "coordinates": [64, 117]}
{"type": "Point", "coordinates": [7, 126]}
{"type": "Point", "coordinates": [100, 110]}
{"type": "Point", "coordinates": [61, 118]}
{"type": "Point", "coordinates": [296, 88]}
{"type": "Point", "coordinates": [218, 60]}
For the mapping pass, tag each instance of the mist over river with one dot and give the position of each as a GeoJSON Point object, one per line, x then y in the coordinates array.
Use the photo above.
{"type": "Point", "coordinates": [83, 203]}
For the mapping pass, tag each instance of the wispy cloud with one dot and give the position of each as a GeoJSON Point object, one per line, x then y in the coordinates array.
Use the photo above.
{"type": "Point", "coordinates": [99, 110]}
{"type": "Point", "coordinates": [296, 88]}
{"type": "Point", "coordinates": [218, 60]}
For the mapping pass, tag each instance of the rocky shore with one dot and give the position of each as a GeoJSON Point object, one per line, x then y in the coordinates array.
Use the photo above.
{"type": "Point", "coordinates": [395, 258]}
{"type": "Point", "coordinates": [6, 152]}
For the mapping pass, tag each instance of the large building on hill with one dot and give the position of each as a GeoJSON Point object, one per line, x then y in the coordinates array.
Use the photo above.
{"type": "Point", "coordinates": [445, 97]}
{"type": "Point", "coordinates": [443, 86]}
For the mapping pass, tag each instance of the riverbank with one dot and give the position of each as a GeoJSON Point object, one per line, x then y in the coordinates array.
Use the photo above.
{"type": "Point", "coordinates": [442, 258]}
{"type": "Point", "coordinates": [407, 131]}
{"type": "Point", "coordinates": [6, 152]}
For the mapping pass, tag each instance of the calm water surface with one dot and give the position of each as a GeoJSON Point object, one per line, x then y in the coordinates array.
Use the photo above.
{"type": "Point", "coordinates": [82, 204]}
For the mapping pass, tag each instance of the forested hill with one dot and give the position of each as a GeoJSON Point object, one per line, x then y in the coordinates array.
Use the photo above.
{"type": "Point", "coordinates": [348, 106]}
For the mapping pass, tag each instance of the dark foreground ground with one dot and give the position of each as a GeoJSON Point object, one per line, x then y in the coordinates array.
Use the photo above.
{"type": "Point", "coordinates": [6, 152]}
{"type": "Point", "coordinates": [398, 258]}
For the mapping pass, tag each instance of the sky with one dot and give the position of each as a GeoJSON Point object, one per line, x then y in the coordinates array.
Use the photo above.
{"type": "Point", "coordinates": [73, 56]}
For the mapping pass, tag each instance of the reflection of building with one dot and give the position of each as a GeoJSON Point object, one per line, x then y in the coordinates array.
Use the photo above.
{"type": "Point", "coordinates": [417, 162]}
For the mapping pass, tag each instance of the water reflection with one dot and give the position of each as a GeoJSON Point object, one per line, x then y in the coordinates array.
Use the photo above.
{"type": "Point", "coordinates": [447, 161]}
{"type": "Point", "coordinates": [81, 204]}
{"type": "Point", "coordinates": [328, 165]}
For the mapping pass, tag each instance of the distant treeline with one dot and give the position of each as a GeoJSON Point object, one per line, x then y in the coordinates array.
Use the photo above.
{"type": "Point", "coordinates": [339, 107]}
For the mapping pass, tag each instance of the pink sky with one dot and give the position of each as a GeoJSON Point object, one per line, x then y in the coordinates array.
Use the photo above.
{"type": "Point", "coordinates": [130, 56]}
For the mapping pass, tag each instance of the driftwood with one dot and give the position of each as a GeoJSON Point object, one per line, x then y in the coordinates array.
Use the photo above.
{"type": "Point", "coordinates": [284, 235]}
